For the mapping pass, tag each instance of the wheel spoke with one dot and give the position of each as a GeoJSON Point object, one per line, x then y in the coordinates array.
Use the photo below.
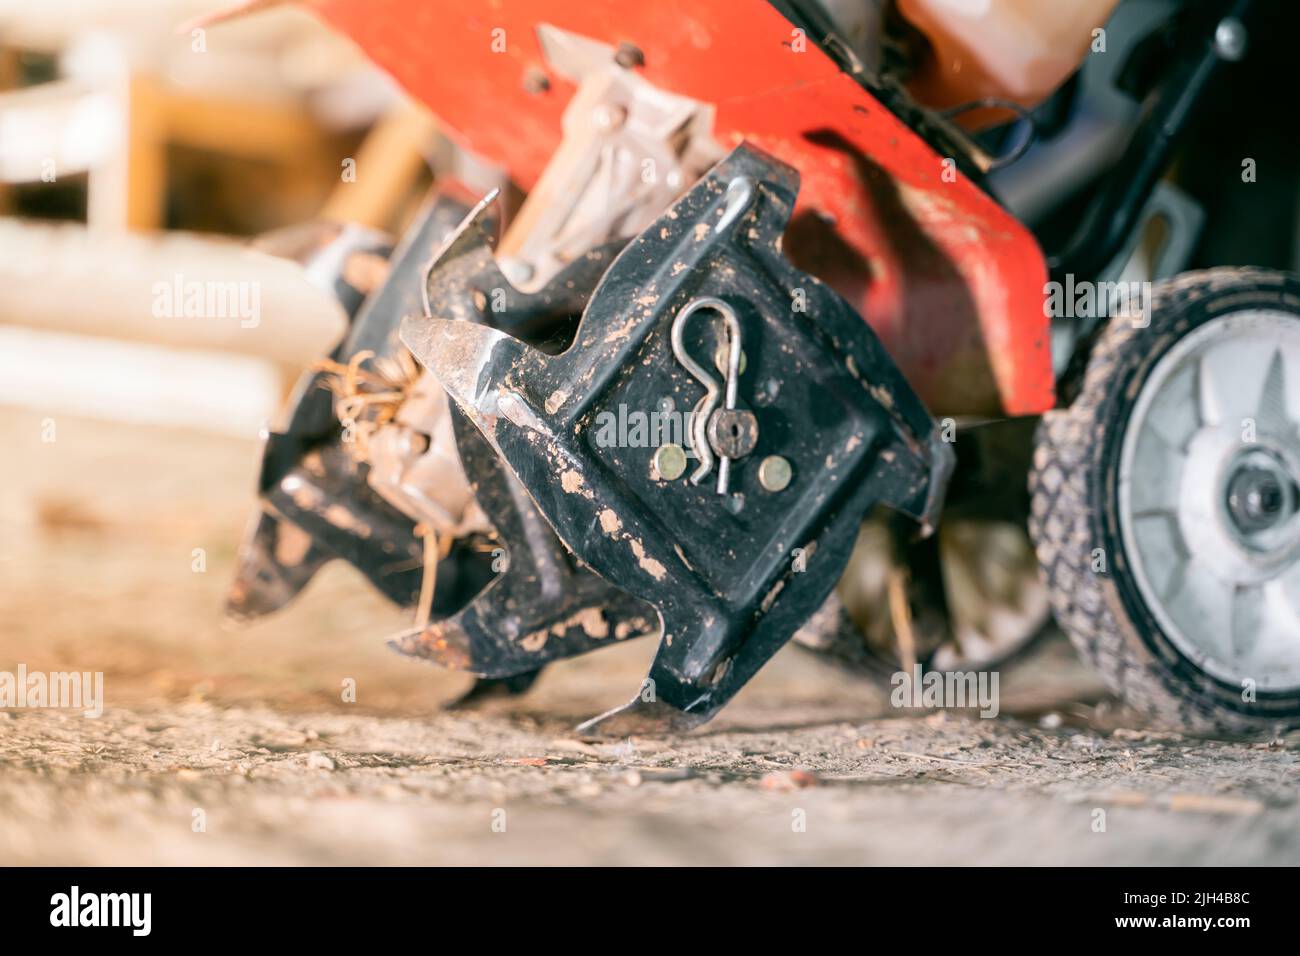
{"type": "Point", "coordinates": [1156, 475]}
{"type": "Point", "coordinates": [1271, 413]}
{"type": "Point", "coordinates": [1231, 380]}
{"type": "Point", "coordinates": [1248, 620]}
{"type": "Point", "coordinates": [1162, 550]}
{"type": "Point", "coordinates": [1284, 594]}
{"type": "Point", "coordinates": [1271, 657]}
{"type": "Point", "coordinates": [1173, 415]}
{"type": "Point", "coordinates": [1202, 605]}
{"type": "Point", "coordinates": [1291, 383]}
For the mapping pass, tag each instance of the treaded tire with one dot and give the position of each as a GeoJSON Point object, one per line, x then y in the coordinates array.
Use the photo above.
{"type": "Point", "coordinates": [1074, 510]}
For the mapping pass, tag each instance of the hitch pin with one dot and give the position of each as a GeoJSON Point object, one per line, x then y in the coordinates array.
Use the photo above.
{"type": "Point", "coordinates": [705, 408]}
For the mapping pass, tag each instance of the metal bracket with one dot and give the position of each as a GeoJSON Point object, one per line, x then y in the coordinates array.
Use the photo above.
{"type": "Point", "coordinates": [316, 503]}
{"type": "Point", "coordinates": [540, 607]}
{"type": "Point", "coordinates": [730, 585]}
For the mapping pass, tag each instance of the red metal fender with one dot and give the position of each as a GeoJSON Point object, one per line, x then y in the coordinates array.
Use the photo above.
{"type": "Point", "coordinates": [952, 283]}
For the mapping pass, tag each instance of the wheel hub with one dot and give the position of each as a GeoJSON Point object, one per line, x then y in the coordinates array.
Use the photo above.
{"type": "Point", "coordinates": [1260, 499]}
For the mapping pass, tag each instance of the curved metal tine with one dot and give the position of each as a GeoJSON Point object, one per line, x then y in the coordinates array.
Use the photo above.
{"type": "Point", "coordinates": [427, 270]}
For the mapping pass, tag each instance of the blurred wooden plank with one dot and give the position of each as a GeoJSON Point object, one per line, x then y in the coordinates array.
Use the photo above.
{"type": "Point", "coordinates": [174, 289]}
{"type": "Point", "coordinates": [146, 156]}
{"type": "Point", "coordinates": [241, 127]}
{"type": "Point", "coordinates": [391, 159]}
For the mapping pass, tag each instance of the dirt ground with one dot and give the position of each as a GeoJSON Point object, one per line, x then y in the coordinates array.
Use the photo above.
{"type": "Point", "coordinates": [223, 746]}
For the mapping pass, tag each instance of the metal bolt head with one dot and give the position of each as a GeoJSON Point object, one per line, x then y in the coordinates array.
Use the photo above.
{"type": "Point", "coordinates": [1230, 39]}
{"type": "Point", "coordinates": [535, 81]}
{"type": "Point", "coordinates": [669, 462]}
{"type": "Point", "coordinates": [608, 117]}
{"type": "Point", "coordinates": [628, 56]}
{"type": "Point", "coordinates": [1258, 498]}
{"type": "Point", "coordinates": [774, 473]}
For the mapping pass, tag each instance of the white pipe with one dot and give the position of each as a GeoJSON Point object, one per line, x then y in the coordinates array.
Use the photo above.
{"type": "Point", "coordinates": [172, 289]}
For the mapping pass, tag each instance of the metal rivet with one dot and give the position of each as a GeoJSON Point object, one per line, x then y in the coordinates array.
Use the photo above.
{"type": "Point", "coordinates": [516, 270]}
{"type": "Point", "coordinates": [535, 81]}
{"type": "Point", "coordinates": [722, 354]}
{"type": "Point", "coordinates": [629, 56]}
{"type": "Point", "coordinates": [670, 462]}
{"type": "Point", "coordinates": [608, 117]}
{"type": "Point", "coordinates": [1230, 39]}
{"type": "Point", "coordinates": [774, 473]}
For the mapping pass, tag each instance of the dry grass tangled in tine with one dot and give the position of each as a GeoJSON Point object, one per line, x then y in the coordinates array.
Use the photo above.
{"type": "Point", "coordinates": [367, 399]}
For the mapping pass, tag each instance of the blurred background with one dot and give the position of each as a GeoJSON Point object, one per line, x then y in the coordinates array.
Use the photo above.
{"type": "Point", "coordinates": [136, 142]}
{"type": "Point", "coordinates": [140, 145]}
{"type": "Point", "coordinates": [146, 142]}
{"type": "Point", "coordinates": [143, 145]}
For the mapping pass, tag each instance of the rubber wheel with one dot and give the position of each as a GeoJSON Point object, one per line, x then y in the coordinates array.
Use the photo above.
{"type": "Point", "coordinates": [1076, 515]}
